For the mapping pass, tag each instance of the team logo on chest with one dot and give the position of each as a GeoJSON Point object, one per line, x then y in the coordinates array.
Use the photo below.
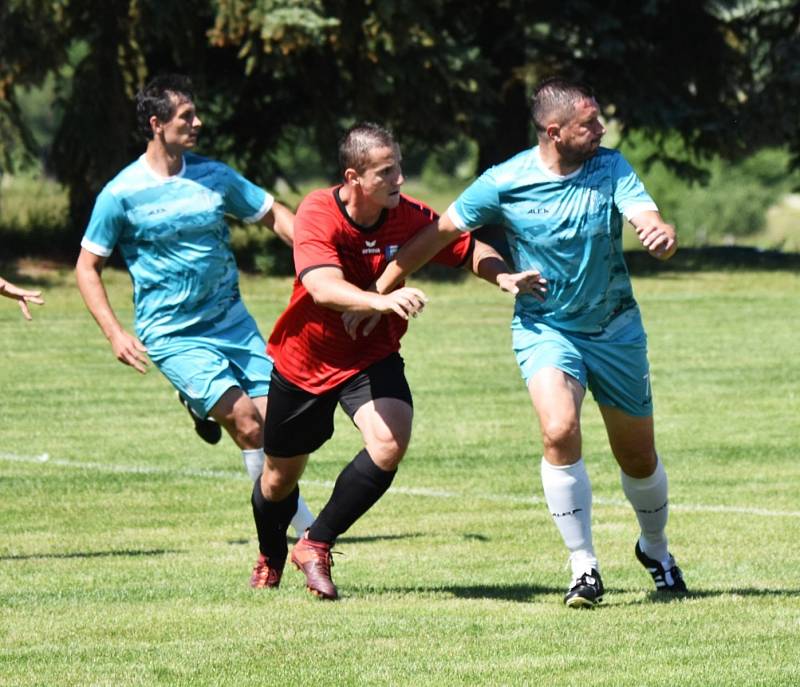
{"type": "Point", "coordinates": [370, 248]}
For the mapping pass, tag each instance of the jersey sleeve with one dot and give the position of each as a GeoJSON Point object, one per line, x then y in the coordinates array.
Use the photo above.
{"type": "Point", "coordinates": [314, 227]}
{"type": "Point", "coordinates": [454, 254]}
{"type": "Point", "coordinates": [243, 199]}
{"type": "Point", "coordinates": [478, 204]}
{"type": "Point", "coordinates": [105, 225]}
{"type": "Point", "coordinates": [630, 195]}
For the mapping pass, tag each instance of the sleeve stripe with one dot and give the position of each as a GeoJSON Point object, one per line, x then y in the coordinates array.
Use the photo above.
{"type": "Point", "coordinates": [96, 248]}
{"type": "Point", "coordinates": [315, 267]}
{"type": "Point", "coordinates": [456, 219]}
{"type": "Point", "coordinates": [265, 208]}
{"type": "Point", "coordinates": [634, 209]}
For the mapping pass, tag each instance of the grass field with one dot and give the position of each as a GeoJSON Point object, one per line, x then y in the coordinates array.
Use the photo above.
{"type": "Point", "coordinates": [125, 554]}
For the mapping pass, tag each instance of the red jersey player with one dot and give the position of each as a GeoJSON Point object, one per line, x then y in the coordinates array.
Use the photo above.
{"type": "Point", "coordinates": [343, 239]}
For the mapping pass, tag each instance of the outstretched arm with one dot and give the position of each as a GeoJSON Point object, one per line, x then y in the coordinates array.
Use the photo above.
{"type": "Point", "coordinates": [126, 347]}
{"type": "Point", "coordinates": [489, 265]}
{"type": "Point", "coordinates": [22, 296]}
{"type": "Point", "coordinates": [281, 220]}
{"type": "Point", "coordinates": [328, 287]}
{"type": "Point", "coordinates": [417, 252]}
{"type": "Point", "coordinates": [655, 234]}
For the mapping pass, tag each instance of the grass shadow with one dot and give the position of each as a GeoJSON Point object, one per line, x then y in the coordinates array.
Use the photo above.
{"type": "Point", "coordinates": [520, 593]}
{"type": "Point", "coordinates": [123, 553]}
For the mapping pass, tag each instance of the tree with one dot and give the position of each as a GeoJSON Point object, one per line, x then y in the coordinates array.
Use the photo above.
{"type": "Point", "coordinates": [723, 74]}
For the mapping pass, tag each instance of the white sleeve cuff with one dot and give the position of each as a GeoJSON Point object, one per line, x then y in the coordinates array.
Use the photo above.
{"type": "Point", "coordinates": [632, 210]}
{"type": "Point", "coordinates": [265, 208]}
{"type": "Point", "coordinates": [456, 219]}
{"type": "Point", "coordinates": [96, 248]}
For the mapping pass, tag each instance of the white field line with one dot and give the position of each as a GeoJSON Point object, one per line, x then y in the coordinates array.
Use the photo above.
{"type": "Point", "coordinates": [44, 458]}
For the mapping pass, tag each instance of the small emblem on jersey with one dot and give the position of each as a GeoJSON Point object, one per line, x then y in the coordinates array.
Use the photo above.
{"type": "Point", "coordinates": [370, 248]}
{"type": "Point", "coordinates": [538, 211]}
{"type": "Point", "coordinates": [389, 251]}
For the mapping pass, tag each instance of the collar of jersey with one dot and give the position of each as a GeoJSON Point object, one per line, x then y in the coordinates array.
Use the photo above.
{"type": "Point", "coordinates": [552, 175]}
{"type": "Point", "coordinates": [366, 230]}
{"type": "Point", "coordinates": [156, 175]}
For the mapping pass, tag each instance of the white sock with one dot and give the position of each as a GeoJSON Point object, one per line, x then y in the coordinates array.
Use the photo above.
{"type": "Point", "coordinates": [568, 493]}
{"type": "Point", "coordinates": [253, 462]}
{"type": "Point", "coordinates": [648, 497]}
{"type": "Point", "coordinates": [303, 518]}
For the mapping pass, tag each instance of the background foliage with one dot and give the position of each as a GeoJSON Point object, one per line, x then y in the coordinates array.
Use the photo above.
{"type": "Point", "coordinates": [722, 76]}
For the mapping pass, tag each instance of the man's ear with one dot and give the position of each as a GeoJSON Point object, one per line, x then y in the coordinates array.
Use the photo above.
{"type": "Point", "coordinates": [553, 132]}
{"type": "Point", "coordinates": [351, 177]}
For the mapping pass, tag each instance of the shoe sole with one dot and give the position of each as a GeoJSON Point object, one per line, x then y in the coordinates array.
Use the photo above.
{"type": "Point", "coordinates": [580, 602]}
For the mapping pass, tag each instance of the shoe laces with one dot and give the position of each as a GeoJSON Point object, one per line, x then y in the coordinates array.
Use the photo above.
{"type": "Point", "coordinates": [323, 553]}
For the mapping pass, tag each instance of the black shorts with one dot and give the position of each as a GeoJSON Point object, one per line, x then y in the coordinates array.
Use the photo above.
{"type": "Point", "coordinates": [299, 422]}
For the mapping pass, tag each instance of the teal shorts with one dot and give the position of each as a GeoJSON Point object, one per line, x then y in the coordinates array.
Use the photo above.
{"type": "Point", "coordinates": [205, 360]}
{"type": "Point", "coordinates": [612, 364]}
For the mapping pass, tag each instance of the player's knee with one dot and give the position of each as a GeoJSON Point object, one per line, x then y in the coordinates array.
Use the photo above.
{"type": "Point", "coordinates": [387, 451]}
{"type": "Point", "coordinates": [560, 432]}
{"type": "Point", "coordinates": [249, 432]}
{"type": "Point", "coordinates": [276, 485]}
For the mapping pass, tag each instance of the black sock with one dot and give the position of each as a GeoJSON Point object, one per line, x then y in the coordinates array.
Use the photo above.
{"type": "Point", "coordinates": [357, 488]}
{"type": "Point", "coordinates": [272, 520]}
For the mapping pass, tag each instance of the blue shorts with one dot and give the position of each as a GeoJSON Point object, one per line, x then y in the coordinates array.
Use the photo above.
{"type": "Point", "coordinates": [612, 364]}
{"type": "Point", "coordinates": [205, 360]}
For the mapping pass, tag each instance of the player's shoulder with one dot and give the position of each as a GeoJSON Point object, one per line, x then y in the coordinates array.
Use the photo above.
{"type": "Point", "coordinates": [608, 156]}
{"type": "Point", "coordinates": [130, 178]}
{"type": "Point", "coordinates": [411, 205]}
{"type": "Point", "coordinates": [199, 164]}
{"type": "Point", "coordinates": [319, 199]}
{"type": "Point", "coordinates": [508, 172]}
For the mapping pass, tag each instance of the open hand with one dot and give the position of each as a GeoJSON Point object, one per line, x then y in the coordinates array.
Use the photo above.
{"type": "Point", "coordinates": [530, 282]}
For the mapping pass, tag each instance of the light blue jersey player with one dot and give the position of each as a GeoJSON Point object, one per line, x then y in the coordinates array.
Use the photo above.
{"type": "Point", "coordinates": [165, 213]}
{"type": "Point", "coordinates": [562, 205]}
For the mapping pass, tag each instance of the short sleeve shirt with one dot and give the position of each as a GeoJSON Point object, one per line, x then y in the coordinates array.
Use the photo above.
{"type": "Point", "coordinates": [309, 344]}
{"type": "Point", "coordinates": [172, 234]}
{"type": "Point", "coordinates": [569, 228]}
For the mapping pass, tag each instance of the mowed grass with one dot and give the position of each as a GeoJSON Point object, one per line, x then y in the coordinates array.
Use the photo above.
{"type": "Point", "coordinates": [125, 555]}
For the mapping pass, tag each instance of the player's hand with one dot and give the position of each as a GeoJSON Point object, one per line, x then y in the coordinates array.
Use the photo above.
{"type": "Point", "coordinates": [130, 351]}
{"type": "Point", "coordinates": [352, 321]}
{"type": "Point", "coordinates": [530, 282]}
{"type": "Point", "coordinates": [405, 302]}
{"type": "Point", "coordinates": [22, 296]}
{"type": "Point", "coordinates": [658, 238]}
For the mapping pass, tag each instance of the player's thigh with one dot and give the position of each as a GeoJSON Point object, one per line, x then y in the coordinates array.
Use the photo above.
{"type": "Point", "coordinates": [379, 402]}
{"type": "Point", "coordinates": [298, 422]}
{"type": "Point", "coordinates": [553, 370]}
{"type": "Point", "coordinates": [196, 368]}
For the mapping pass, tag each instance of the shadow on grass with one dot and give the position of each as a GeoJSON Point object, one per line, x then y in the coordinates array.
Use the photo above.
{"type": "Point", "coordinates": [122, 553]}
{"type": "Point", "coordinates": [654, 597]}
{"type": "Point", "coordinates": [499, 592]}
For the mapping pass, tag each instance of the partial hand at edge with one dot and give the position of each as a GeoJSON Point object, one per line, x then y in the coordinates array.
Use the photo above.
{"type": "Point", "coordinates": [130, 351]}
{"type": "Point", "coordinates": [530, 282]}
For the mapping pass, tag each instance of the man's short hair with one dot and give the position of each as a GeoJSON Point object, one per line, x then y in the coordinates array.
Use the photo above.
{"type": "Point", "coordinates": [358, 141]}
{"type": "Point", "coordinates": [159, 98]}
{"type": "Point", "coordinates": [556, 98]}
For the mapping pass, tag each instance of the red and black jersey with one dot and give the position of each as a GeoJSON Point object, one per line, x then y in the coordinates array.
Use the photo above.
{"type": "Point", "coordinates": [309, 344]}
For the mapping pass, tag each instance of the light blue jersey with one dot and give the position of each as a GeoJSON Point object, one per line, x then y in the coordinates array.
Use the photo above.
{"type": "Point", "coordinates": [172, 234]}
{"type": "Point", "coordinates": [569, 228]}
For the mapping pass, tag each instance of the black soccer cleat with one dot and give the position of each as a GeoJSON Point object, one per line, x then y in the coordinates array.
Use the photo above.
{"type": "Point", "coordinates": [668, 580]}
{"type": "Point", "coordinates": [586, 591]}
{"type": "Point", "coordinates": [207, 429]}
